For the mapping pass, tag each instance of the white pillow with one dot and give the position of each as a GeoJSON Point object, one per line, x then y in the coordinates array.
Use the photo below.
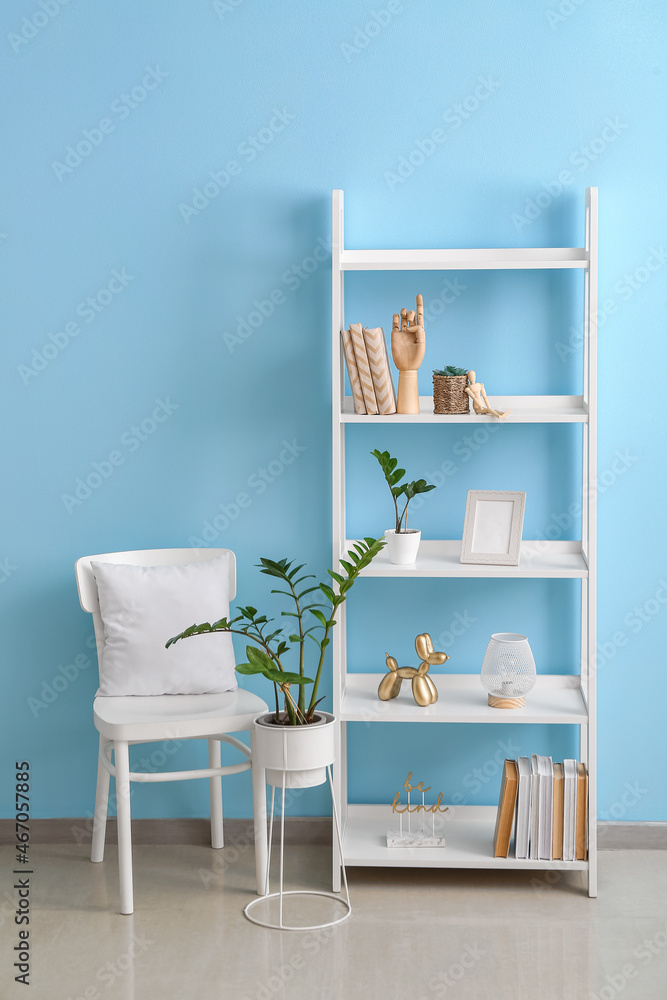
{"type": "Point", "coordinates": [142, 607]}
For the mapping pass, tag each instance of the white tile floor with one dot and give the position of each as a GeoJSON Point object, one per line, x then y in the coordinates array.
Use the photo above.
{"type": "Point", "coordinates": [413, 935]}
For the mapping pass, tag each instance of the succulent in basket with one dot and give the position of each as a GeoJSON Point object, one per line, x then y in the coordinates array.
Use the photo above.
{"type": "Point", "coordinates": [313, 621]}
{"type": "Point", "coordinates": [451, 370]}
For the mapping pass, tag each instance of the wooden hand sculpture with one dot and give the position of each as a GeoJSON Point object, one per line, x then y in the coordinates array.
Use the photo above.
{"type": "Point", "coordinates": [424, 690]}
{"type": "Point", "coordinates": [408, 343]}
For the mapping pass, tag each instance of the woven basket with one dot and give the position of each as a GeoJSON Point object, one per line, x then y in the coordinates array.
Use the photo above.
{"type": "Point", "coordinates": [449, 395]}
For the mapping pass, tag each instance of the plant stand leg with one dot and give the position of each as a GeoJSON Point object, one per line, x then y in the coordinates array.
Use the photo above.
{"type": "Point", "coordinates": [339, 840]}
{"type": "Point", "coordinates": [282, 849]}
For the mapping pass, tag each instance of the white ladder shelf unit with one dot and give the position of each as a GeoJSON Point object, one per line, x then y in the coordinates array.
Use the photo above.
{"type": "Point", "coordinates": [564, 699]}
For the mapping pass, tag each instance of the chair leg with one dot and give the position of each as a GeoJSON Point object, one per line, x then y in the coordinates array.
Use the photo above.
{"type": "Point", "coordinates": [101, 808]}
{"type": "Point", "coordinates": [122, 762]}
{"type": "Point", "coordinates": [215, 788]}
{"type": "Point", "coordinates": [259, 822]}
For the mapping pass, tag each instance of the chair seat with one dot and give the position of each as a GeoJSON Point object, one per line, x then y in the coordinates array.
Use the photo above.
{"type": "Point", "coordinates": [176, 716]}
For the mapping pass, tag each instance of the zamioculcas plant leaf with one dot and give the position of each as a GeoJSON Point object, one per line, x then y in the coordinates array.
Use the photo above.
{"type": "Point", "coordinates": [393, 476]}
{"type": "Point", "coordinates": [314, 620]}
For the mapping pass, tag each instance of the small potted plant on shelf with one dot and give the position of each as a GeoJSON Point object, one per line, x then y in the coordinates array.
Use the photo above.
{"type": "Point", "coordinates": [449, 390]}
{"type": "Point", "coordinates": [402, 542]}
{"type": "Point", "coordinates": [297, 737]}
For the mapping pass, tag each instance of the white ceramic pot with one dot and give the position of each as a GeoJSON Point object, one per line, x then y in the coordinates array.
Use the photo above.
{"type": "Point", "coordinates": [402, 546]}
{"type": "Point", "coordinates": [302, 751]}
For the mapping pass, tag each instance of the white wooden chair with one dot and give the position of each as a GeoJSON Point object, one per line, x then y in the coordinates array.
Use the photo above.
{"type": "Point", "coordinates": [124, 721]}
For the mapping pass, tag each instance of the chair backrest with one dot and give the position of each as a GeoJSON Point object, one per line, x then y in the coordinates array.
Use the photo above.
{"type": "Point", "coordinates": [87, 587]}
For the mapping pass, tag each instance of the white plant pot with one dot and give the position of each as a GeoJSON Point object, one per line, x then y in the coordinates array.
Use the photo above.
{"type": "Point", "coordinates": [303, 752]}
{"type": "Point", "coordinates": [402, 546]}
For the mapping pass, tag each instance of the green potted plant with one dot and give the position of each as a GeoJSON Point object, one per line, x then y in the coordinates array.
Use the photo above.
{"type": "Point", "coordinates": [449, 390]}
{"type": "Point", "coordinates": [402, 542]}
{"type": "Point", "coordinates": [297, 735]}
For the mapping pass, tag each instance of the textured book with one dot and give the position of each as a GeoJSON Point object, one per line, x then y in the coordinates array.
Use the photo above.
{"type": "Point", "coordinates": [581, 837]}
{"type": "Point", "coordinates": [569, 808]}
{"type": "Point", "coordinates": [557, 848]}
{"type": "Point", "coordinates": [546, 821]}
{"type": "Point", "coordinates": [522, 834]}
{"type": "Point", "coordinates": [353, 373]}
{"type": "Point", "coordinates": [534, 807]}
{"type": "Point", "coordinates": [363, 367]}
{"type": "Point", "coordinates": [506, 804]}
{"type": "Point", "coordinates": [378, 359]}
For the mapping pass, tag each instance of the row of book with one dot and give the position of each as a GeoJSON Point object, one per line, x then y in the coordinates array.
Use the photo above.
{"type": "Point", "coordinates": [368, 369]}
{"type": "Point", "coordinates": [547, 804]}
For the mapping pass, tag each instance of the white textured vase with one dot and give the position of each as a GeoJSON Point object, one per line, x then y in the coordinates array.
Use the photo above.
{"type": "Point", "coordinates": [303, 752]}
{"type": "Point", "coordinates": [402, 546]}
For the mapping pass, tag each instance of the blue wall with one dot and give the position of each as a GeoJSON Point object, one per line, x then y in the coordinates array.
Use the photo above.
{"type": "Point", "coordinates": [134, 283]}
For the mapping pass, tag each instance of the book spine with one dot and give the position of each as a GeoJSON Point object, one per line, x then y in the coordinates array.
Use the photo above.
{"type": "Point", "coordinates": [353, 373]}
{"type": "Point", "coordinates": [363, 367]}
{"type": "Point", "coordinates": [581, 839]}
{"type": "Point", "coordinates": [378, 359]}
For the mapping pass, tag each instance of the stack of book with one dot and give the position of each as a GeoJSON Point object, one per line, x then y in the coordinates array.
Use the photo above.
{"type": "Point", "coordinates": [368, 369]}
{"type": "Point", "coordinates": [550, 804]}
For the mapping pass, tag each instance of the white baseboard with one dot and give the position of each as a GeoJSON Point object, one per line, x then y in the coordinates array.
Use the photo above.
{"type": "Point", "coordinates": [645, 836]}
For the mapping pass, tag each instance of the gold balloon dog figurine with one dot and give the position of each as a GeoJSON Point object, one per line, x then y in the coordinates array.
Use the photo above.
{"type": "Point", "coordinates": [424, 690]}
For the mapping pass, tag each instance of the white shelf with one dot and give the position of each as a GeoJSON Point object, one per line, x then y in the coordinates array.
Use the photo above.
{"type": "Point", "coordinates": [525, 410]}
{"type": "Point", "coordinates": [556, 699]}
{"type": "Point", "coordinates": [568, 699]}
{"type": "Point", "coordinates": [465, 260]}
{"type": "Point", "coordinates": [468, 832]}
{"type": "Point", "coordinates": [538, 560]}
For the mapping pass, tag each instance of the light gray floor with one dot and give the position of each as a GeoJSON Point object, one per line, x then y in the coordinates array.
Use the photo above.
{"type": "Point", "coordinates": [412, 935]}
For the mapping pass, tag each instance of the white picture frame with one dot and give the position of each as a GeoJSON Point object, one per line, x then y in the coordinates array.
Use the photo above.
{"type": "Point", "coordinates": [493, 527]}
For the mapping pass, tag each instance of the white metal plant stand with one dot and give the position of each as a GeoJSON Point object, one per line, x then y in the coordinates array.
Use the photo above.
{"type": "Point", "coordinates": [294, 757]}
{"type": "Point", "coordinates": [557, 699]}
